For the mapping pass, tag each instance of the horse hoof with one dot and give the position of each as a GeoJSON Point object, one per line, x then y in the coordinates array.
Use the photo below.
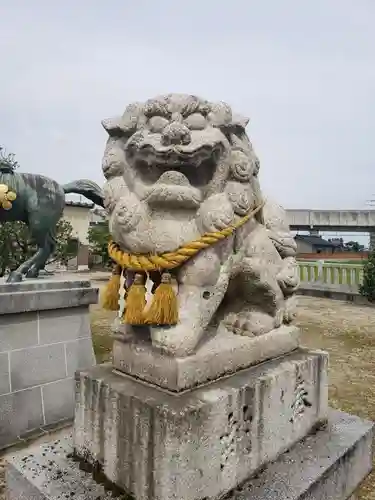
{"type": "Point", "coordinates": [33, 273]}
{"type": "Point", "coordinates": [14, 277]}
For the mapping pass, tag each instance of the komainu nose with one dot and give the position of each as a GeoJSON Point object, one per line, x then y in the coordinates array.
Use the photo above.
{"type": "Point", "coordinates": [176, 133]}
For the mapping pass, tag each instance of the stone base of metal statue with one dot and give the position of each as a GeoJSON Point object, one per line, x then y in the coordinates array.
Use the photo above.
{"type": "Point", "coordinates": [45, 336]}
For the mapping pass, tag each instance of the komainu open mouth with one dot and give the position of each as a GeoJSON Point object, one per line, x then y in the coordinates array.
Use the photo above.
{"type": "Point", "coordinates": [197, 167]}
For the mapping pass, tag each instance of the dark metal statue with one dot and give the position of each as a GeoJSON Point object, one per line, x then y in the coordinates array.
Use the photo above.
{"type": "Point", "coordinates": [39, 202]}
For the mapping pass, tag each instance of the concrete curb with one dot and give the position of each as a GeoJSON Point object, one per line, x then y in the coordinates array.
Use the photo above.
{"type": "Point", "coordinates": [346, 296]}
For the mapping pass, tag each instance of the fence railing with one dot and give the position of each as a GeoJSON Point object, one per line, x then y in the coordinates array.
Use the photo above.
{"type": "Point", "coordinates": [330, 273]}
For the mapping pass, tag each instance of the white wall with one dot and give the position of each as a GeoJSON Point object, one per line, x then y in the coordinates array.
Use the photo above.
{"type": "Point", "coordinates": [304, 247]}
{"type": "Point", "coordinates": [79, 217]}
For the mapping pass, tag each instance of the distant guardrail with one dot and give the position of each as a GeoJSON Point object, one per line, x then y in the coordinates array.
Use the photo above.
{"type": "Point", "coordinates": [330, 273]}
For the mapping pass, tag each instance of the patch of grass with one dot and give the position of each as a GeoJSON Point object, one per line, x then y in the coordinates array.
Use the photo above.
{"type": "Point", "coordinates": [347, 333]}
{"type": "Point", "coordinates": [101, 322]}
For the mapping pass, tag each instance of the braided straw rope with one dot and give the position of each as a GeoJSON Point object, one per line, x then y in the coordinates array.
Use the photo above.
{"type": "Point", "coordinates": [170, 260]}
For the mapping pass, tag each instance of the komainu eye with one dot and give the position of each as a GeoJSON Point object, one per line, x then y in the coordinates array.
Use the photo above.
{"type": "Point", "coordinates": [157, 124]}
{"type": "Point", "coordinates": [196, 121]}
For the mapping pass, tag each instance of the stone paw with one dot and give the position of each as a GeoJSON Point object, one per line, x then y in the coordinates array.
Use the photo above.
{"type": "Point", "coordinates": [289, 317]}
{"type": "Point", "coordinates": [178, 340]}
{"type": "Point", "coordinates": [250, 324]}
{"type": "Point", "coordinates": [238, 324]}
{"type": "Point", "coordinates": [290, 311]}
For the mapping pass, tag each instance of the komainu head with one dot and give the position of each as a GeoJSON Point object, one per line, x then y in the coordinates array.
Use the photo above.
{"type": "Point", "coordinates": [178, 150]}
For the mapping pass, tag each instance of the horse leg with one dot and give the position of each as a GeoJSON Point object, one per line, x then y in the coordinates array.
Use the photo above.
{"type": "Point", "coordinates": [47, 250]}
{"type": "Point", "coordinates": [16, 276]}
{"type": "Point", "coordinates": [31, 267]}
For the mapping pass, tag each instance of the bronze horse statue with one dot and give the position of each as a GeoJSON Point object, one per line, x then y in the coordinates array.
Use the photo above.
{"type": "Point", "coordinates": [39, 202]}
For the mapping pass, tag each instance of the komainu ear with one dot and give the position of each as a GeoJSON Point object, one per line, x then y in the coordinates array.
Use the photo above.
{"type": "Point", "coordinates": [121, 126]}
{"type": "Point", "coordinates": [240, 121]}
{"type": "Point", "coordinates": [113, 126]}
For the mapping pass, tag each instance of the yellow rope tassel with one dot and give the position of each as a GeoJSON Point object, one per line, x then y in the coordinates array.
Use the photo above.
{"type": "Point", "coordinates": [111, 293]}
{"type": "Point", "coordinates": [164, 307]}
{"type": "Point", "coordinates": [135, 302]}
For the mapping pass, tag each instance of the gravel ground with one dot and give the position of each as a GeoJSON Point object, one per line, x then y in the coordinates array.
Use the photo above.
{"type": "Point", "coordinates": [345, 330]}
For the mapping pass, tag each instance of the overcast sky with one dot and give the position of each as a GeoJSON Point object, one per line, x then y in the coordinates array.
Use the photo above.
{"type": "Point", "coordinates": [303, 71]}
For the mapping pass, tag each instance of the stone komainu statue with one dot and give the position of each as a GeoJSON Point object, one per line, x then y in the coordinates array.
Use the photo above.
{"type": "Point", "coordinates": [183, 196]}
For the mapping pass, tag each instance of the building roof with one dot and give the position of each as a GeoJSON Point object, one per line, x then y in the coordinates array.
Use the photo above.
{"type": "Point", "coordinates": [316, 241]}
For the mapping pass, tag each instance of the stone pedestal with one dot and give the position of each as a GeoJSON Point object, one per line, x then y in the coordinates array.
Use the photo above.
{"type": "Point", "coordinates": [221, 355]}
{"type": "Point", "coordinates": [327, 464]}
{"type": "Point", "coordinates": [262, 432]}
{"type": "Point", "coordinates": [45, 337]}
{"type": "Point", "coordinates": [201, 443]}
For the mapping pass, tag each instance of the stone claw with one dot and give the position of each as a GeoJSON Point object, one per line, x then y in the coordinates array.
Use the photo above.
{"type": "Point", "coordinates": [250, 324]}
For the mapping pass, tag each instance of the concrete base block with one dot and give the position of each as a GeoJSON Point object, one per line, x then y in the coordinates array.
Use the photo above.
{"type": "Point", "coordinates": [221, 355]}
{"type": "Point", "coordinates": [45, 336]}
{"type": "Point", "coordinates": [328, 464]}
{"type": "Point", "coordinates": [45, 294]}
{"type": "Point", "coordinates": [201, 443]}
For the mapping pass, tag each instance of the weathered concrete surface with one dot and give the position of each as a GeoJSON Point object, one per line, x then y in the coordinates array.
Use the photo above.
{"type": "Point", "coordinates": [330, 463]}
{"type": "Point", "coordinates": [40, 349]}
{"type": "Point", "coordinates": [200, 443]}
{"type": "Point", "coordinates": [338, 458]}
{"type": "Point", "coordinates": [222, 354]}
{"type": "Point", "coordinates": [335, 292]}
{"type": "Point", "coordinates": [45, 294]}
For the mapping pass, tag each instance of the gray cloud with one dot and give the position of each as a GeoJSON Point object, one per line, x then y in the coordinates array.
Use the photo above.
{"type": "Point", "coordinates": [303, 71]}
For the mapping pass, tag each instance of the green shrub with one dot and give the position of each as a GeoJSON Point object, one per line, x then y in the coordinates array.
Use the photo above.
{"type": "Point", "coordinates": [367, 289]}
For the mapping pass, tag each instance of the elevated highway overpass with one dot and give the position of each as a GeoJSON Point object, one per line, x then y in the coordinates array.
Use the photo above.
{"type": "Point", "coordinates": [332, 220]}
{"type": "Point", "coordinates": [361, 221]}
